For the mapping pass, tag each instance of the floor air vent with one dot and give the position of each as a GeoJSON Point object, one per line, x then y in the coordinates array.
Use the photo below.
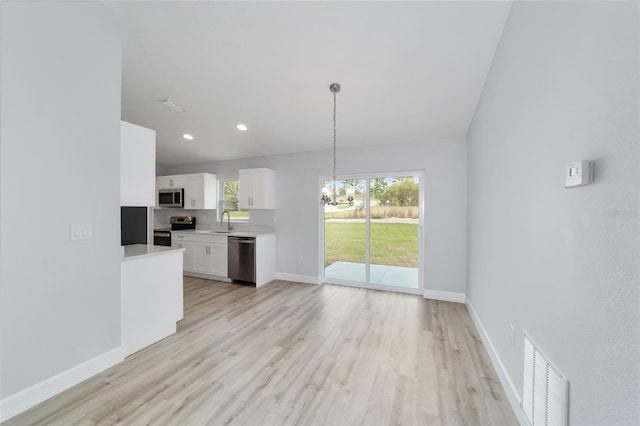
{"type": "Point", "coordinates": [545, 390]}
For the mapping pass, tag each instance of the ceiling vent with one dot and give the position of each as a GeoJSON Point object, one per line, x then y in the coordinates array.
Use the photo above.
{"type": "Point", "coordinates": [171, 105]}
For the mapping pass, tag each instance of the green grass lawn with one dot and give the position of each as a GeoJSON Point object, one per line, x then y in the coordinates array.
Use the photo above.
{"type": "Point", "coordinates": [241, 214]}
{"type": "Point", "coordinates": [393, 244]}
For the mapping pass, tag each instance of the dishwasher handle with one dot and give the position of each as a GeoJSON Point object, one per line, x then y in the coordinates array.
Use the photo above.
{"type": "Point", "coordinates": [243, 240]}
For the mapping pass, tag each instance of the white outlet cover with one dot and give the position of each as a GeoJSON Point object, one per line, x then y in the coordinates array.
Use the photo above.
{"type": "Point", "coordinates": [579, 173]}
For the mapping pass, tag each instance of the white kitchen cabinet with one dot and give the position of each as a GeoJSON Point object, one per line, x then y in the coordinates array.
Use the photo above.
{"type": "Point", "coordinates": [200, 189]}
{"type": "Point", "coordinates": [202, 258]}
{"type": "Point", "coordinates": [165, 182]}
{"type": "Point", "coordinates": [188, 249]}
{"type": "Point", "coordinates": [205, 254]}
{"type": "Point", "coordinates": [257, 189]}
{"type": "Point", "coordinates": [137, 165]}
{"type": "Point", "coordinates": [219, 264]}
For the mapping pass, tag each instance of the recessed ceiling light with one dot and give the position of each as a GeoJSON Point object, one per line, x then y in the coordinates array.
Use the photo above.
{"type": "Point", "coordinates": [187, 136]}
{"type": "Point", "coordinates": [171, 105]}
{"type": "Point", "coordinates": [242, 127]}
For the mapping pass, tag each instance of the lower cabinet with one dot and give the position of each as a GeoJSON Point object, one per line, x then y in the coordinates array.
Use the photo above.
{"type": "Point", "coordinates": [203, 254]}
{"type": "Point", "coordinates": [206, 255]}
{"type": "Point", "coordinates": [219, 259]}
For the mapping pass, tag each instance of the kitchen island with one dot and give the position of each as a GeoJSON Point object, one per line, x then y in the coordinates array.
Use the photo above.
{"type": "Point", "coordinates": [151, 294]}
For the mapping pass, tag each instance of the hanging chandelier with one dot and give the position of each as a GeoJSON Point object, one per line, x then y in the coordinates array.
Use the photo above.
{"type": "Point", "coordinates": [329, 195]}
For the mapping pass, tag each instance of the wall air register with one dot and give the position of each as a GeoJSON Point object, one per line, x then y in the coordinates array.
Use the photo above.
{"type": "Point", "coordinates": [545, 391]}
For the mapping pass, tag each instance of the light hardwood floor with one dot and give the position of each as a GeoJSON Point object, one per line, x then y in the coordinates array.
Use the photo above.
{"type": "Point", "coordinates": [290, 353]}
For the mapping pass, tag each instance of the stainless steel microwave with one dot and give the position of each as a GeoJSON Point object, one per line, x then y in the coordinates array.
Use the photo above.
{"type": "Point", "coordinates": [173, 197]}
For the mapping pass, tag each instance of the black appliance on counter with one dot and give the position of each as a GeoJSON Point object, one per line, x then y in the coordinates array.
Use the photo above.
{"type": "Point", "coordinates": [162, 237]}
{"type": "Point", "coordinates": [133, 225]}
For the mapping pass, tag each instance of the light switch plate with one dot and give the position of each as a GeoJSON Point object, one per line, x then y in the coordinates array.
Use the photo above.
{"type": "Point", "coordinates": [81, 232]}
{"type": "Point", "coordinates": [579, 173]}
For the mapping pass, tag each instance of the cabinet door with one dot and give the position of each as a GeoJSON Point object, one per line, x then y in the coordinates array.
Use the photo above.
{"type": "Point", "coordinates": [263, 189]}
{"type": "Point", "coordinates": [202, 258]}
{"type": "Point", "coordinates": [137, 165]}
{"type": "Point", "coordinates": [193, 189]}
{"type": "Point", "coordinates": [257, 189]}
{"type": "Point", "coordinates": [165, 182]}
{"type": "Point", "coordinates": [219, 264]}
{"type": "Point", "coordinates": [199, 190]}
{"type": "Point", "coordinates": [188, 257]}
{"type": "Point", "coordinates": [245, 189]}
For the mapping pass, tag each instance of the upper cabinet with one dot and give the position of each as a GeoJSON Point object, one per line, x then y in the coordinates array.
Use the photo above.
{"type": "Point", "coordinates": [200, 189]}
{"type": "Point", "coordinates": [137, 165]}
{"type": "Point", "coordinates": [257, 189]}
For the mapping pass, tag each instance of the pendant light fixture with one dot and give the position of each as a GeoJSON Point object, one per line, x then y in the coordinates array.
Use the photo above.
{"type": "Point", "coordinates": [328, 196]}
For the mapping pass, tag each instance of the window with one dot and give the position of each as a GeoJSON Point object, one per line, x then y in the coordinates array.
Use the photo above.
{"type": "Point", "coordinates": [228, 200]}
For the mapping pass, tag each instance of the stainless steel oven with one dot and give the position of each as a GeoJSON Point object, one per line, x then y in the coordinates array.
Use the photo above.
{"type": "Point", "coordinates": [162, 237]}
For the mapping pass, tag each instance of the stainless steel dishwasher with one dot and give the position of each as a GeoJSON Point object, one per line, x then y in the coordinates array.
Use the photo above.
{"type": "Point", "coordinates": [242, 258]}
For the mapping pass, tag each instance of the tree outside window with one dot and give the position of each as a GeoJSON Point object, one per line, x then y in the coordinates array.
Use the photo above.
{"type": "Point", "coordinates": [229, 190]}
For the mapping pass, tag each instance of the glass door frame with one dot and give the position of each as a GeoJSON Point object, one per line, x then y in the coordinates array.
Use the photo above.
{"type": "Point", "coordinates": [367, 284]}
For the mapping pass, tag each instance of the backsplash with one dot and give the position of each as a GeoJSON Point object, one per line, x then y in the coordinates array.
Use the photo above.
{"type": "Point", "coordinates": [259, 220]}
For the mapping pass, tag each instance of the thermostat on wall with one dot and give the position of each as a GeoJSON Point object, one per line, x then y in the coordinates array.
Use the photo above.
{"type": "Point", "coordinates": [578, 174]}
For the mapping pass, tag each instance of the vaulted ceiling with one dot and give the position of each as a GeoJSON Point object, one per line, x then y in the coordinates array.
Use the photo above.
{"type": "Point", "coordinates": [409, 71]}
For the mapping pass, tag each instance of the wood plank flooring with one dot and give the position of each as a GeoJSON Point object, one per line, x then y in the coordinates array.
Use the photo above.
{"type": "Point", "coordinates": [290, 353]}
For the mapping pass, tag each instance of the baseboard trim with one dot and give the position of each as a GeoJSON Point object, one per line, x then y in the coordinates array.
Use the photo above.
{"type": "Point", "coordinates": [445, 296]}
{"type": "Point", "coordinates": [307, 279]}
{"type": "Point", "coordinates": [507, 383]}
{"type": "Point", "coordinates": [206, 276]}
{"type": "Point", "coordinates": [33, 395]}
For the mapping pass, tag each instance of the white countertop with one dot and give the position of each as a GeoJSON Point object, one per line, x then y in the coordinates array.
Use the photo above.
{"type": "Point", "coordinates": [238, 233]}
{"type": "Point", "coordinates": [136, 251]}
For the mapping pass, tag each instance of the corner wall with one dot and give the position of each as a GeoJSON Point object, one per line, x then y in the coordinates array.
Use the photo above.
{"type": "Point", "coordinates": [60, 164]}
{"type": "Point", "coordinates": [562, 264]}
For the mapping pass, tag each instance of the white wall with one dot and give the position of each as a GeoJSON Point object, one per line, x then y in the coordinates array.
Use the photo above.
{"type": "Point", "coordinates": [562, 264]}
{"type": "Point", "coordinates": [298, 201]}
{"type": "Point", "coordinates": [60, 127]}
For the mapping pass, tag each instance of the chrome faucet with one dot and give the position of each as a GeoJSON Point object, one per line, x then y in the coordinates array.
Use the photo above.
{"type": "Point", "coordinates": [228, 219]}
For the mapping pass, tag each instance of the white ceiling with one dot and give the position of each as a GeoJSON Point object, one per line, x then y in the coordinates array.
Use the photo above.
{"type": "Point", "coordinates": [410, 71]}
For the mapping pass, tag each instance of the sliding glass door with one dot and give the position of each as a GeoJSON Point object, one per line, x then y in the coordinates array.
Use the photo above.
{"type": "Point", "coordinates": [372, 232]}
